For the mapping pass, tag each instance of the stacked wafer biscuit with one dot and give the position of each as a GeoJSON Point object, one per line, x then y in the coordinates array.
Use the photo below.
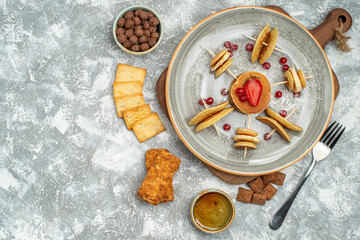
{"type": "Point", "coordinates": [130, 103]}
{"type": "Point", "coordinates": [261, 188]}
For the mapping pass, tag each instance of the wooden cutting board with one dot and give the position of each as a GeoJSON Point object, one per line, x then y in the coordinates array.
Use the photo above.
{"type": "Point", "coordinates": [323, 33]}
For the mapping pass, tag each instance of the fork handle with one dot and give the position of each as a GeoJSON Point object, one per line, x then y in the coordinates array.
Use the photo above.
{"type": "Point", "coordinates": [280, 215]}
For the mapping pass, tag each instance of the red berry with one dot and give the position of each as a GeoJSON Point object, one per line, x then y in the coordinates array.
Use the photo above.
{"type": "Point", "coordinates": [240, 91]}
{"type": "Point", "coordinates": [201, 102]}
{"type": "Point", "coordinates": [267, 136]}
{"type": "Point", "coordinates": [267, 65]}
{"type": "Point", "coordinates": [209, 101]}
{"type": "Point", "coordinates": [231, 53]}
{"type": "Point", "coordinates": [296, 94]}
{"type": "Point", "coordinates": [224, 91]}
{"type": "Point", "coordinates": [227, 127]}
{"type": "Point", "coordinates": [249, 47]}
{"type": "Point", "coordinates": [234, 47]}
{"type": "Point", "coordinates": [285, 67]}
{"type": "Point", "coordinates": [283, 60]}
{"type": "Point", "coordinates": [227, 44]}
{"type": "Point", "coordinates": [283, 113]}
{"type": "Point", "coordinates": [243, 98]}
{"type": "Point", "coordinates": [278, 94]}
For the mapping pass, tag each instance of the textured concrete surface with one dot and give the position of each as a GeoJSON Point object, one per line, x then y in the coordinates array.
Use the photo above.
{"type": "Point", "coordinates": [69, 169]}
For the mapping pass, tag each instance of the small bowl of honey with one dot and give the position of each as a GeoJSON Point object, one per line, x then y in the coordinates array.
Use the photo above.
{"type": "Point", "coordinates": [212, 211]}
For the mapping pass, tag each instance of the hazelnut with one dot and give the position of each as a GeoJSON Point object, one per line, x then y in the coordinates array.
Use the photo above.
{"type": "Point", "coordinates": [135, 48]}
{"type": "Point", "coordinates": [129, 15]}
{"type": "Point", "coordinates": [147, 33]}
{"type": "Point", "coordinates": [152, 29]}
{"type": "Point", "coordinates": [150, 14]}
{"type": "Point", "coordinates": [134, 39]}
{"type": "Point", "coordinates": [154, 21]}
{"type": "Point", "coordinates": [120, 31]}
{"type": "Point", "coordinates": [143, 15]}
{"type": "Point", "coordinates": [137, 12]}
{"type": "Point", "coordinates": [152, 42]}
{"type": "Point", "coordinates": [155, 35]}
{"type": "Point", "coordinates": [127, 44]}
{"type": "Point", "coordinates": [138, 27]}
{"type": "Point", "coordinates": [129, 33]}
{"type": "Point", "coordinates": [143, 39]}
{"type": "Point", "coordinates": [129, 24]}
{"type": "Point", "coordinates": [121, 38]}
{"type": "Point", "coordinates": [137, 21]}
{"type": "Point", "coordinates": [146, 25]}
{"type": "Point", "coordinates": [121, 22]}
{"type": "Point", "coordinates": [139, 32]}
{"type": "Point", "coordinates": [144, 47]}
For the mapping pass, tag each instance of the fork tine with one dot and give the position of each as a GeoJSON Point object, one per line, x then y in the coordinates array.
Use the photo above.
{"type": "Point", "coordinates": [330, 133]}
{"type": "Point", "coordinates": [327, 130]}
{"type": "Point", "coordinates": [337, 138]}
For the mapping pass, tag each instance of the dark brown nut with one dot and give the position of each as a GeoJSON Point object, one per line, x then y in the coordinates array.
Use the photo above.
{"type": "Point", "coordinates": [152, 29]}
{"type": "Point", "coordinates": [143, 39]}
{"type": "Point", "coordinates": [121, 38]}
{"type": "Point", "coordinates": [129, 24]}
{"type": "Point", "coordinates": [120, 31]}
{"type": "Point", "coordinates": [129, 15]}
{"type": "Point", "coordinates": [144, 47]}
{"type": "Point", "coordinates": [150, 14]}
{"type": "Point", "coordinates": [129, 33]}
{"type": "Point", "coordinates": [127, 44]}
{"type": "Point", "coordinates": [146, 25]}
{"type": "Point", "coordinates": [121, 22]}
{"type": "Point", "coordinates": [143, 15]}
{"type": "Point", "coordinates": [135, 48]}
{"type": "Point", "coordinates": [139, 32]}
{"type": "Point", "coordinates": [137, 21]}
{"type": "Point", "coordinates": [152, 42]}
{"type": "Point", "coordinates": [137, 12]}
{"type": "Point", "coordinates": [154, 21]}
{"type": "Point", "coordinates": [155, 35]}
{"type": "Point", "coordinates": [134, 39]}
{"type": "Point", "coordinates": [138, 27]}
{"type": "Point", "coordinates": [147, 33]}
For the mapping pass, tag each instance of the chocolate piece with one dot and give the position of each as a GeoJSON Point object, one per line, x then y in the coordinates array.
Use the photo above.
{"type": "Point", "coordinates": [129, 15]}
{"type": "Point", "coordinates": [135, 48]}
{"type": "Point", "coordinates": [137, 21]}
{"type": "Point", "coordinates": [121, 38]}
{"type": "Point", "coordinates": [244, 195]}
{"type": "Point", "coordinates": [147, 33]}
{"type": "Point", "coordinates": [134, 39]}
{"type": "Point", "coordinates": [137, 12]}
{"type": "Point", "coordinates": [150, 14]}
{"type": "Point", "coordinates": [155, 35]}
{"type": "Point", "coordinates": [152, 42]}
{"type": "Point", "coordinates": [144, 15]}
{"type": "Point", "coordinates": [129, 24]}
{"type": "Point", "coordinates": [143, 39]}
{"type": "Point", "coordinates": [276, 178]}
{"type": "Point", "coordinates": [121, 22]}
{"type": "Point", "coordinates": [146, 25]}
{"type": "Point", "coordinates": [127, 44]}
{"type": "Point", "coordinates": [139, 32]}
{"type": "Point", "coordinates": [258, 198]}
{"type": "Point", "coordinates": [268, 191]}
{"type": "Point", "coordinates": [120, 31]}
{"type": "Point", "coordinates": [139, 27]}
{"type": "Point", "coordinates": [129, 33]}
{"type": "Point", "coordinates": [152, 29]}
{"type": "Point", "coordinates": [144, 47]}
{"type": "Point", "coordinates": [256, 185]}
{"type": "Point", "coordinates": [154, 21]}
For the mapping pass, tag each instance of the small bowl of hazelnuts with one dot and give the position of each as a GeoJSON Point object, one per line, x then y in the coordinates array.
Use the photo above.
{"type": "Point", "coordinates": [138, 30]}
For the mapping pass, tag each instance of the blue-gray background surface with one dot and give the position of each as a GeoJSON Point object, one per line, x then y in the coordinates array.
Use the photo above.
{"type": "Point", "coordinates": [69, 168]}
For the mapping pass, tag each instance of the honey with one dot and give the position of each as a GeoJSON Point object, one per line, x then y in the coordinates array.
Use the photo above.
{"type": "Point", "coordinates": [212, 211]}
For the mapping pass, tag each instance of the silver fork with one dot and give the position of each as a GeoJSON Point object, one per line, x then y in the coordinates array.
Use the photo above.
{"type": "Point", "coordinates": [321, 150]}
